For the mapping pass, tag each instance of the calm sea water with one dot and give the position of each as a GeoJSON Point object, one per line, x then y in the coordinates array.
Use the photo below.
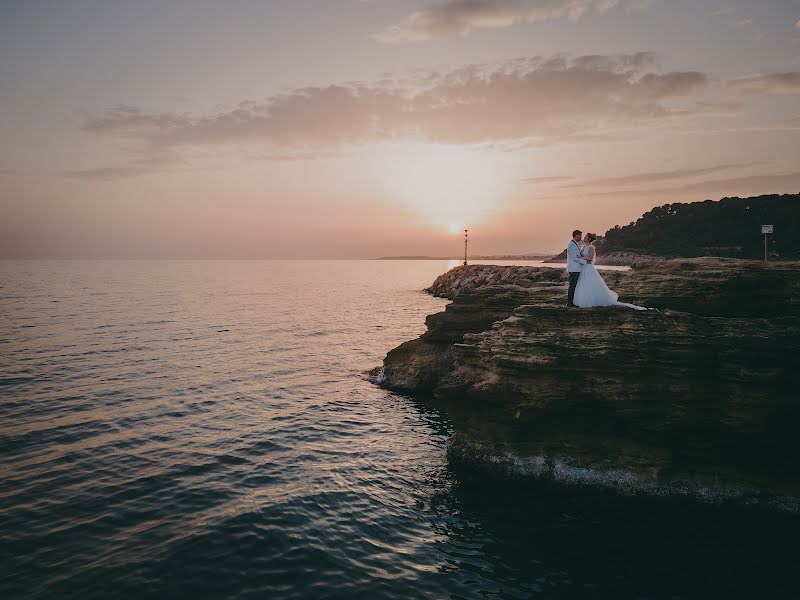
{"type": "Point", "coordinates": [204, 429]}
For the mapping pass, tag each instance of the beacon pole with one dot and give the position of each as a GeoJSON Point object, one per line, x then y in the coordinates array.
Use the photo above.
{"type": "Point", "coordinates": [466, 241]}
{"type": "Point", "coordinates": [766, 230]}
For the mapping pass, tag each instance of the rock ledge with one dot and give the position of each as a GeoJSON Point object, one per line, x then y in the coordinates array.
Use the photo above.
{"type": "Point", "coordinates": [697, 398]}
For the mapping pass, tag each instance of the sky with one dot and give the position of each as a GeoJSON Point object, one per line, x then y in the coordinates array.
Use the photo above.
{"type": "Point", "coordinates": [368, 128]}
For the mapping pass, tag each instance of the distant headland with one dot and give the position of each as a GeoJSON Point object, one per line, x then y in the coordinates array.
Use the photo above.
{"type": "Point", "coordinates": [730, 228]}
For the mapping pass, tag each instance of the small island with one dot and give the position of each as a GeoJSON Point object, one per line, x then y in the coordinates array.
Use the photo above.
{"type": "Point", "coordinates": [696, 399]}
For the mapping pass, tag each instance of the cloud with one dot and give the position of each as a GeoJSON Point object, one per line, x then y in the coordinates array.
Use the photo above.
{"type": "Point", "coordinates": [548, 179]}
{"type": "Point", "coordinates": [741, 186]}
{"type": "Point", "coordinates": [653, 176]}
{"type": "Point", "coordinates": [110, 173]}
{"type": "Point", "coordinates": [720, 108]}
{"type": "Point", "coordinates": [529, 100]}
{"type": "Point", "coordinates": [148, 157]}
{"type": "Point", "coordinates": [797, 25]}
{"type": "Point", "coordinates": [106, 173]}
{"type": "Point", "coordinates": [461, 17]}
{"type": "Point", "coordinates": [787, 82]}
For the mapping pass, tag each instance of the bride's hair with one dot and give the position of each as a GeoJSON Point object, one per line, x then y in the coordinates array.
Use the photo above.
{"type": "Point", "coordinates": [592, 237]}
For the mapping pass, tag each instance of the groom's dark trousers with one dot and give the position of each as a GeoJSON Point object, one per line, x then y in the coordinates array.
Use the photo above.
{"type": "Point", "coordinates": [573, 281]}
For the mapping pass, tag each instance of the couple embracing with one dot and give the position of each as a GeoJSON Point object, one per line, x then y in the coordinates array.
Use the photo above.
{"type": "Point", "coordinates": [586, 286]}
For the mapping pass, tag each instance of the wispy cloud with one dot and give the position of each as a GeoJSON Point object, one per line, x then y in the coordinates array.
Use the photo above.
{"type": "Point", "coordinates": [787, 82]}
{"type": "Point", "coordinates": [548, 179]}
{"type": "Point", "coordinates": [540, 100]}
{"type": "Point", "coordinates": [112, 173]}
{"type": "Point", "coordinates": [148, 157]}
{"type": "Point", "coordinates": [741, 186]}
{"type": "Point", "coordinates": [654, 176]}
{"type": "Point", "coordinates": [461, 17]}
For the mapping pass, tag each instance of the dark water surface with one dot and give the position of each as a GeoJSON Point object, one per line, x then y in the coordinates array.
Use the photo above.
{"type": "Point", "coordinates": [204, 429]}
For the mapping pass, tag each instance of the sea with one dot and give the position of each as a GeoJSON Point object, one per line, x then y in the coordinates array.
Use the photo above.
{"type": "Point", "coordinates": [207, 429]}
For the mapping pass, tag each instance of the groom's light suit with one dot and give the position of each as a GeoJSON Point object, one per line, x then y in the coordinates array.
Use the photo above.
{"type": "Point", "coordinates": [574, 264]}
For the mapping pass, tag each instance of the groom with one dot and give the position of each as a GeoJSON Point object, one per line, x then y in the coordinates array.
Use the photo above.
{"type": "Point", "coordinates": [574, 264]}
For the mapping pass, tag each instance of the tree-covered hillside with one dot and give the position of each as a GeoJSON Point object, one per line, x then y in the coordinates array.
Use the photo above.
{"type": "Point", "coordinates": [729, 227]}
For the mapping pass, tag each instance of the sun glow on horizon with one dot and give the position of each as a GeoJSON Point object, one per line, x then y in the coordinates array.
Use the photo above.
{"type": "Point", "coordinates": [446, 186]}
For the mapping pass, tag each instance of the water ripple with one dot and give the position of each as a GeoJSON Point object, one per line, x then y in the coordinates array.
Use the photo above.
{"type": "Point", "coordinates": [205, 430]}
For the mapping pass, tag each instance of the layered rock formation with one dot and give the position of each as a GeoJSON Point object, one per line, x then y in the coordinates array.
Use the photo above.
{"type": "Point", "coordinates": [698, 397]}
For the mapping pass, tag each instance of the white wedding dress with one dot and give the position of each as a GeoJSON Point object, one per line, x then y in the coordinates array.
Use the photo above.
{"type": "Point", "coordinates": [593, 291]}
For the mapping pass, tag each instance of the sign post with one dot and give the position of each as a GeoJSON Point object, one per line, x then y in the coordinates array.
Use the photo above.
{"type": "Point", "coordinates": [766, 230]}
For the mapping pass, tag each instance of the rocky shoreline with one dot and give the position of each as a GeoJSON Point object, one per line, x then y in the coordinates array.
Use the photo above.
{"type": "Point", "coordinates": [697, 398]}
{"type": "Point", "coordinates": [613, 259]}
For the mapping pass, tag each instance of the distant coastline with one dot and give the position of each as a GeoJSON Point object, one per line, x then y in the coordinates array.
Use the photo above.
{"type": "Point", "coordinates": [730, 227]}
{"type": "Point", "coordinates": [479, 257]}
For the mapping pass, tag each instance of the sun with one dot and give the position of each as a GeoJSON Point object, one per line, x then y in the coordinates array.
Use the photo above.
{"type": "Point", "coordinates": [454, 229]}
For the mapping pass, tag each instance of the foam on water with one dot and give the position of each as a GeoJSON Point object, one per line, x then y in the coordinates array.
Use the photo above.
{"type": "Point", "coordinates": [565, 471]}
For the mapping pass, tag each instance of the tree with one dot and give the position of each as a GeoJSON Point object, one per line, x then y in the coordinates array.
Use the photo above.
{"type": "Point", "coordinates": [729, 227]}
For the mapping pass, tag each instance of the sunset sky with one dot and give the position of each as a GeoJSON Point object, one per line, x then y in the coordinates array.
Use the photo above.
{"type": "Point", "coordinates": [363, 128]}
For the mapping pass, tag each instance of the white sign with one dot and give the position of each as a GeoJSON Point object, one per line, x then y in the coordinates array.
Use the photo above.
{"type": "Point", "coordinates": [765, 229]}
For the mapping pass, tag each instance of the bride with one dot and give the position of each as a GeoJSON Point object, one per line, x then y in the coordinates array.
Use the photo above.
{"type": "Point", "coordinates": [591, 289]}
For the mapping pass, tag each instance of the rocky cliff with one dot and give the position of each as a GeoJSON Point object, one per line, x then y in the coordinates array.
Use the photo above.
{"type": "Point", "coordinates": [696, 398]}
